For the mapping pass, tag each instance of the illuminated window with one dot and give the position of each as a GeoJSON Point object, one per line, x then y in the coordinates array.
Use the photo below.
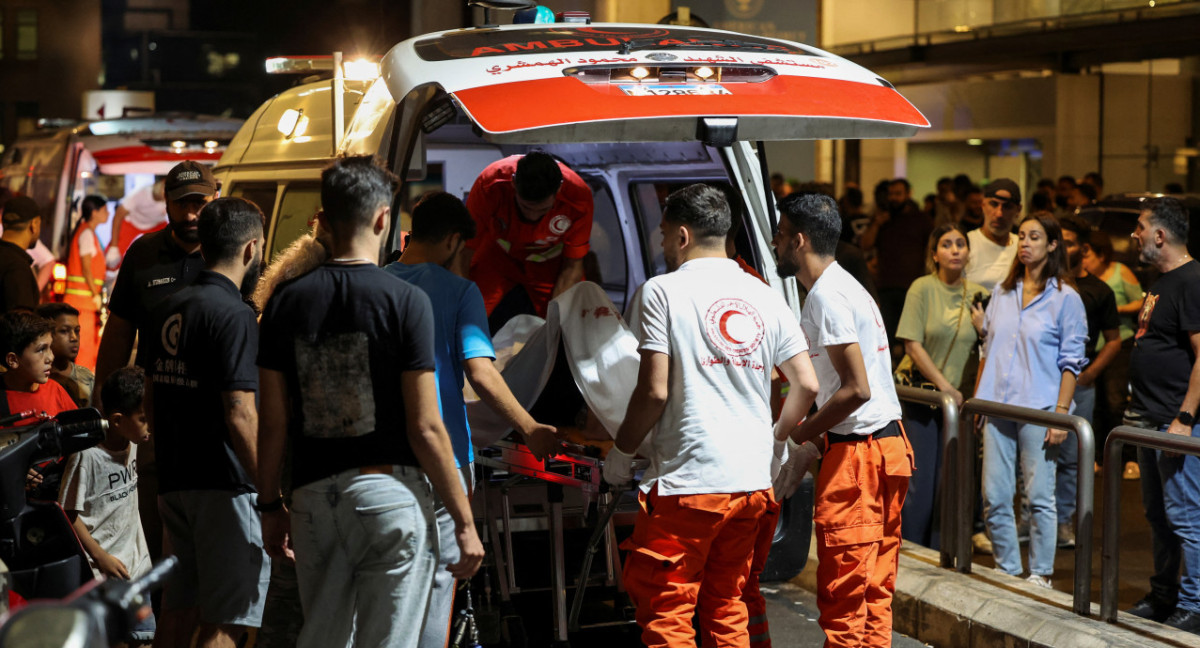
{"type": "Point", "coordinates": [27, 34]}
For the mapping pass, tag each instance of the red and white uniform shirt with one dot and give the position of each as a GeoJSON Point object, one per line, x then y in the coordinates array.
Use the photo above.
{"type": "Point", "coordinates": [724, 331]}
{"type": "Point", "coordinates": [563, 232]}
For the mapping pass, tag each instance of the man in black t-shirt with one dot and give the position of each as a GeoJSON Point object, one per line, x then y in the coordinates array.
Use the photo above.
{"type": "Point", "coordinates": [22, 226]}
{"type": "Point", "coordinates": [1165, 395]}
{"type": "Point", "coordinates": [198, 351]}
{"type": "Point", "coordinates": [346, 367]}
{"type": "Point", "coordinates": [1100, 306]}
{"type": "Point", "coordinates": [155, 266]}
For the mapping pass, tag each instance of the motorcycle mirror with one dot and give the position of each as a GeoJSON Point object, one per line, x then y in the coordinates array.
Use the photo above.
{"type": "Point", "coordinates": [51, 626]}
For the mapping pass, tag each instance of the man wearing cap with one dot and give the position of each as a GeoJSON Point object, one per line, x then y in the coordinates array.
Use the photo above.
{"type": "Point", "coordinates": [994, 246]}
{"type": "Point", "coordinates": [22, 226]}
{"type": "Point", "coordinates": [534, 218]}
{"type": "Point", "coordinates": [156, 266]}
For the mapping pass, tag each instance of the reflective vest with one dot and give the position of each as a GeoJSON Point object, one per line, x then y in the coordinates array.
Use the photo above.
{"type": "Point", "coordinates": [76, 284]}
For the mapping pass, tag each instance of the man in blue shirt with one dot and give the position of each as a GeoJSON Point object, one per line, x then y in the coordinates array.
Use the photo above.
{"type": "Point", "coordinates": [441, 226]}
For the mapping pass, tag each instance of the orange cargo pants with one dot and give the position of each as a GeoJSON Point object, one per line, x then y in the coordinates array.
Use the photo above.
{"type": "Point", "coordinates": [860, 492]}
{"type": "Point", "coordinates": [689, 550]}
{"type": "Point", "coordinates": [756, 606]}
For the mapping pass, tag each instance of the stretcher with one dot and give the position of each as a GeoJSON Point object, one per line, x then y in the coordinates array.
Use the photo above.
{"type": "Point", "coordinates": [579, 467]}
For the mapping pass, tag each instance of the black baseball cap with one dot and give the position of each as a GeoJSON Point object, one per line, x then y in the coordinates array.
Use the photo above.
{"type": "Point", "coordinates": [189, 178]}
{"type": "Point", "coordinates": [1003, 184]}
{"type": "Point", "coordinates": [20, 209]}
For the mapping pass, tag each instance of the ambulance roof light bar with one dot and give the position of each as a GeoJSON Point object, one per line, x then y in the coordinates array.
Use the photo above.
{"type": "Point", "coordinates": [500, 5]}
{"type": "Point", "coordinates": [360, 68]}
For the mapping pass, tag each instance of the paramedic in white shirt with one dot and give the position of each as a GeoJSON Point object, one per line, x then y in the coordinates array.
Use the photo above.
{"type": "Point", "coordinates": [867, 458]}
{"type": "Point", "coordinates": [709, 336]}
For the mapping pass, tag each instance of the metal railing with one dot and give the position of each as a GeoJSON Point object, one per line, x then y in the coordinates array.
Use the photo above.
{"type": "Point", "coordinates": [1084, 496]}
{"type": "Point", "coordinates": [950, 549]}
{"type": "Point", "coordinates": [1112, 499]}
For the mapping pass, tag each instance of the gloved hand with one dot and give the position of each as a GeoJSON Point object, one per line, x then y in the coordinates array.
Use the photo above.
{"type": "Point", "coordinates": [791, 472]}
{"type": "Point", "coordinates": [779, 458]}
{"type": "Point", "coordinates": [618, 467]}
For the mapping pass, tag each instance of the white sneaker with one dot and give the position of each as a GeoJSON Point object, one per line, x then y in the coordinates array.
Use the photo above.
{"type": "Point", "coordinates": [1040, 581]}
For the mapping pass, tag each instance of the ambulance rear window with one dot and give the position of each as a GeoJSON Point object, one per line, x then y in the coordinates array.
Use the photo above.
{"type": "Point", "coordinates": [479, 43]}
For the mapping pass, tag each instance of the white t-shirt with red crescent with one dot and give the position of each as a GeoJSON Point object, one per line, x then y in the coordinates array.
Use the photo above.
{"type": "Point", "coordinates": [724, 331]}
{"type": "Point", "coordinates": [838, 310]}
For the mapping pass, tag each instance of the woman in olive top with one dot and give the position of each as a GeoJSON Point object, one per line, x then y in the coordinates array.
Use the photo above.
{"type": "Point", "coordinates": [939, 327]}
{"type": "Point", "coordinates": [1114, 392]}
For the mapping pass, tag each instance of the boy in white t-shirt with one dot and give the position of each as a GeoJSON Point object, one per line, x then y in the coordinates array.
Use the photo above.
{"type": "Point", "coordinates": [868, 461]}
{"type": "Point", "coordinates": [709, 335]}
{"type": "Point", "coordinates": [99, 490]}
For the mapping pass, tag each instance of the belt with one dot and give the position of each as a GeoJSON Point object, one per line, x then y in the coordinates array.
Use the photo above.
{"type": "Point", "coordinates": [382, 469]}
{"type": "Point", "coordinates": [890, 430]}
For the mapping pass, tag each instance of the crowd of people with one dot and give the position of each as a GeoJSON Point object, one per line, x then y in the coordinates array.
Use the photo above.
{"type": "Point", "coordinates": [1025, 305]}
{"type": "Point", "coordinates": [304, 423]}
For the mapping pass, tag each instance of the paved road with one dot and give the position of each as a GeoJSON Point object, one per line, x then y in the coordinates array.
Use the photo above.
{"type": "Point", "coordinates": [792, 612]}
{"type": "Point", "coordinates": [793, 616]}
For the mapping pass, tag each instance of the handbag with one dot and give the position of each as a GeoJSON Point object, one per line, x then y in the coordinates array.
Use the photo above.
{"type": "Point", "coordinates": [910, 376]}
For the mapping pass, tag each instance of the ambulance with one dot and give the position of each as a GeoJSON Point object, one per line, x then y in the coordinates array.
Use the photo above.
{"type": "Point", "coordinates": [636, 110]}
{"type": "Point", "coordinates": [61, 162]}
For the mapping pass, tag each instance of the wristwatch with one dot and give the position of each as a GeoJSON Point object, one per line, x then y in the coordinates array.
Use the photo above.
{"type": "Point", "coordinates": [1186, 418]}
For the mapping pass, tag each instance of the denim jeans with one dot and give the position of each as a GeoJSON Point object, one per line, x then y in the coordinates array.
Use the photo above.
{"type": "Point", "coordinates": [1004, 442]}
{"type": "Point", "coordinates": [441, 601]}
{"type": "Point", "coordinates": [366, 552]}
{"type": "Point", "coordinates": [1171, 498]}
{"type": "Point", "coordinates": [1068, 456]}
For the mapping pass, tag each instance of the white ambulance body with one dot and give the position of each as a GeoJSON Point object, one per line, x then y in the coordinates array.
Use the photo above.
{"type": "Point", "coordinates": [633, 109]}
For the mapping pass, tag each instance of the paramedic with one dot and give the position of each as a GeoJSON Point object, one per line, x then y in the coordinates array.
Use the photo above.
{"type": "Point", "coordinates": [709, 336]}
{"type": "Point", "coordinates": [868, 461]}
{"type": "Point", "coordinates": [534, 219]}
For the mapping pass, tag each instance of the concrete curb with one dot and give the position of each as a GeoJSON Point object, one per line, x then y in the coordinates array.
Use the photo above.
{"type": "Point", "coordinates": [946, 609]}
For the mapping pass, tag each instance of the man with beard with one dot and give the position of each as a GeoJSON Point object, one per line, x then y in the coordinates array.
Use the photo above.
{"type": "Point", "coordinates": [708, 335]}
{"type": "Point", "coordinates": [1164, 382]}
{"type": "Point", "coordinates": [994, 246]}
{"type": "Point", "coordinates": [22, 226]}
{"type": "Point", "coordinates": [899, 236]}
{"type": "Point", "coordinates": [868, 461]}
{"type": "Point", "coordinates": [199, 354]}
{"type": "Point", "coordinates": [156, 265]}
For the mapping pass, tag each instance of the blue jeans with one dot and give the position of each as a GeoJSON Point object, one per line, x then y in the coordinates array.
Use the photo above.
{"type": "Point", "coordinates": [366, 552]}
{"type": "Point", "coordinates": [441, 601]}
{"type": "Point", "coordinates": [1004, 442]}
{"type": "Point", "coordinates": [1068, 456]}
{"type": "Point", "coordinates": [1171, 498]}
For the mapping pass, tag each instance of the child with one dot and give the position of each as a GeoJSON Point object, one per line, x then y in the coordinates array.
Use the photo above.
{"type": "Point", "coordinates": [25, 350]}
{"type": "Point", "coordinates": [99, 490]}
{"type": "Point", "coordinates": [65, 342]}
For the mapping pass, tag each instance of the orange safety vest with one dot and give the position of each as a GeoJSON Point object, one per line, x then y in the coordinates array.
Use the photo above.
{"type": "Point", "coordinates": [76, 284]}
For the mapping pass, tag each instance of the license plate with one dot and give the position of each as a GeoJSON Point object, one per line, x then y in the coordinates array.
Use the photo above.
{"type": "Point", "coordinates": [690, 89]}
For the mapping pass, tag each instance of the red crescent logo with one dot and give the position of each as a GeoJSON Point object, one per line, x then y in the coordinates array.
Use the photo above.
{"type": "Point", "coordinates": [724, 323]}
{"type": "Point", "coordinates": [747, 328]}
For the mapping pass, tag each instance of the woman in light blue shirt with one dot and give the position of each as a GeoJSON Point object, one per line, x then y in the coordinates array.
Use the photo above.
{"type": "Point", "coordinates": [1035, 332]}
